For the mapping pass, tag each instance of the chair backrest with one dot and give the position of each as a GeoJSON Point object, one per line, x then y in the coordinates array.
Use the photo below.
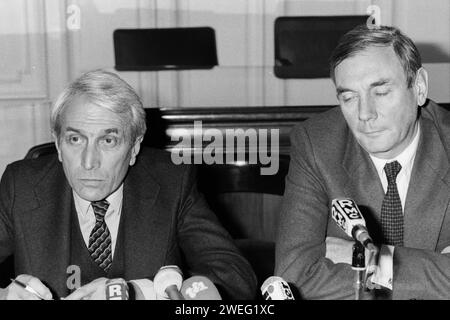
{"type": "Point", "coordinates": [41, 150]}
{"type": "Point", "coordinates": [245, 201]}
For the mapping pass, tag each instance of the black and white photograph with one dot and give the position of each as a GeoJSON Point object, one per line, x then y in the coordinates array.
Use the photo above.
{"type": "Point", "coordinates": [234, 153]}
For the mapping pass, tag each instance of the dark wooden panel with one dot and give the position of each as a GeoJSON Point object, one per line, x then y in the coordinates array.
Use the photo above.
{"type": "Point", "coordinates": [165, 125]}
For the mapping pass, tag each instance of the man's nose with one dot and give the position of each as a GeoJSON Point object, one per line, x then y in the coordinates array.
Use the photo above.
{"type": "Point", "coordinates": [91, 157]}
{"type": "Point", "coordinates": [367, 109]}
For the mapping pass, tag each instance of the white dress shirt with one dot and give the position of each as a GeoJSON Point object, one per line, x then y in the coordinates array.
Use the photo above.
{"type": "Point", "coordinates": [406, 160]}
{"type": "Point", "coordinates": [384, 272]}
{"type": "Point", "coordinates": [86, 216]}
{"type": "Point", "coordinates": [86, 219]}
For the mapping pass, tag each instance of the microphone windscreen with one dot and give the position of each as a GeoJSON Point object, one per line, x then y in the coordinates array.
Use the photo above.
{"type": "Point", "coordinates": [199, 288]}
{"type": "Point", "coordinates": [143, 289]}
{"type": "Point", "coordinates": [167, 276]}
{"type": "Point", "coordinates": [346, 214]}
{"type": "Point", "coordinates": [275, 288]}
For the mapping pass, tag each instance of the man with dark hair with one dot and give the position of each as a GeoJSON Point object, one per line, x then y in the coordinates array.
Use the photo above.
{"type": "Point", "coordinates": [388, 148]}
{"type": "Point", "coordinates": [105, 212]}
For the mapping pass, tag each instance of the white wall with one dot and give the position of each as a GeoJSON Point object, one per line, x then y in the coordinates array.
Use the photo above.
{"type": "Point", "coordinates": [24, 90]}
{"type": "Point", "coordinates": [39, 54]}
{"type": "Point", "coordinates": [245, 43]}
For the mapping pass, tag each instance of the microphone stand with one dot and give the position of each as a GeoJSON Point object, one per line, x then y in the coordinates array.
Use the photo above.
{"type": "Point", "coordinates": [358, 264]}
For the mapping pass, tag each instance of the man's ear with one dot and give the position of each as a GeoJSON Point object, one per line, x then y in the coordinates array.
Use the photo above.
{"type": "Point", "coordinates": [421, 86]}
{"type": "Point", "coordinates": [57, 146]}
{"type": "Point", "coordinates": [135, 149]}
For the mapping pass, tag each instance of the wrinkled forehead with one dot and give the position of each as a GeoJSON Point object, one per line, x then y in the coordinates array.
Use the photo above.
{"type": "Point", "coordinates": [81, 111]}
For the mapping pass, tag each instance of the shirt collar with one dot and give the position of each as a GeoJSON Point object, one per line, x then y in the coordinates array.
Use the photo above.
{"type": "Point", "coordinates": [405, 158]}
{"type": "Point", "coordinates": [114, 199]}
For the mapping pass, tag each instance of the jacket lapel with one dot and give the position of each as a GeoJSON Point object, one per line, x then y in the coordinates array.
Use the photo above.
{"type": "Point", "coordinates": [146, 227]}
{"type": "Point", "coordinates": [363, 185]}
{"type": "Point", "coordinates": [47, 229]}
{"type": "Point", "coordinates": [428, 193]}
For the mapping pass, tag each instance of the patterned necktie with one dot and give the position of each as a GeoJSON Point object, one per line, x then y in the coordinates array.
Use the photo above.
{"type": "Point", "coordinates": [100, 238]}
{"type": "Point", "coordinates": [391, 209]}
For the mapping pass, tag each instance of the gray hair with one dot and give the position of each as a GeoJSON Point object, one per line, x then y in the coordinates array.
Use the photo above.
{"type": "Point", "coordinates": [363, 37]}
{"type": "Point", "coordinates": [107, 90]}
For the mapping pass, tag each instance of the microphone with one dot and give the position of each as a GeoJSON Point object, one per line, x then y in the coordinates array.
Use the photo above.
{"type": "Point", "coordinates": [168, 282]}
{"type": "Point", "coordinates": [347, 216]}
{"type": "Point", "coordinates": [275, 288]}
{"type": "Point", "coordinates": [116, 289]}
{"type": "Point", "coordinates": [143, 289]}
{"type": "Point", "coordinates": [199, 288]}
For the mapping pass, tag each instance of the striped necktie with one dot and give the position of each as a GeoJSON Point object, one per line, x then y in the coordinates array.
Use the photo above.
{"type": "Point", "coordinates": [100, 238]}
{"type": "Point", "coordinates": [391, 208]}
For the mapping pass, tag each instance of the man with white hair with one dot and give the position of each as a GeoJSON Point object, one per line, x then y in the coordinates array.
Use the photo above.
{"type": "Point", "coordinates": [99, 206]}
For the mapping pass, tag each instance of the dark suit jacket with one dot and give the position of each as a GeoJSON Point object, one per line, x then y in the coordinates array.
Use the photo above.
{"type": "Point", "coordinates": [328, 163]}
{"type": "Point", "coordinates": [165, 219]}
